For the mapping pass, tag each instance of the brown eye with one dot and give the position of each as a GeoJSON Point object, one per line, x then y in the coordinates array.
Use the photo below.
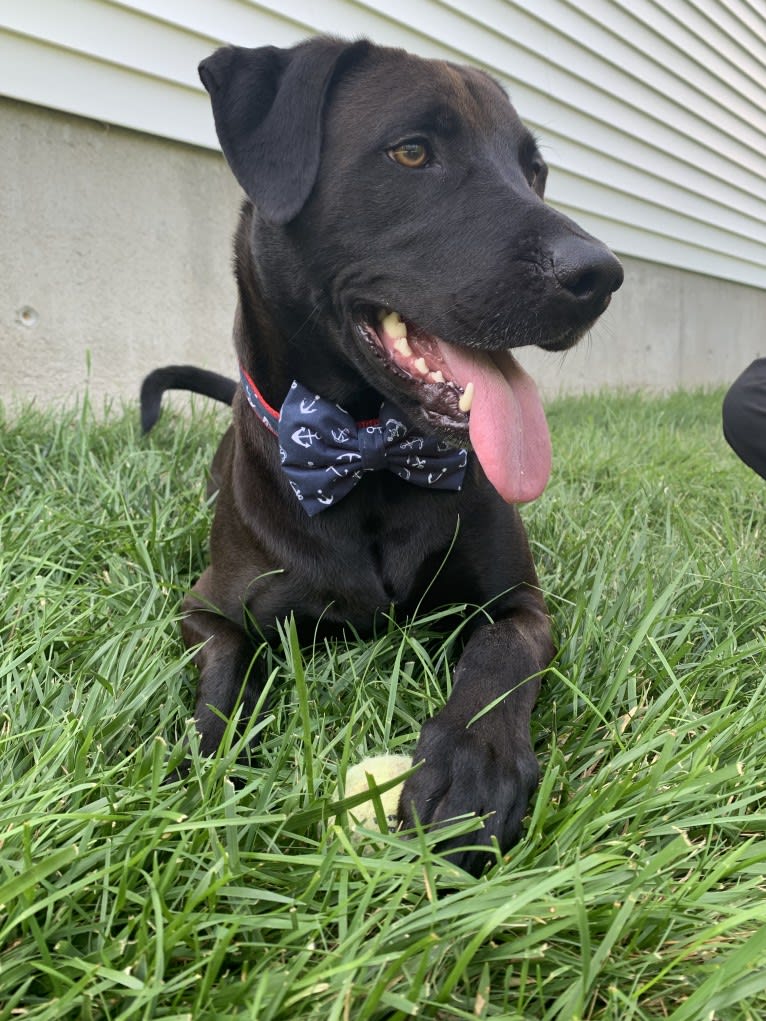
{"type": "Point", "coordinates": [538, 176]}
{"type": "Point", "coordinates": [412, 154]}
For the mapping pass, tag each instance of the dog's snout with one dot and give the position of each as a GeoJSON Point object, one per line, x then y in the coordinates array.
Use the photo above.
{"type": "Point", "coordinates": [586, 269]}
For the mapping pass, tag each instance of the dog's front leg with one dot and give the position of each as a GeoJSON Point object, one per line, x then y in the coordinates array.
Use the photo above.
{"type": "Point", "coordinates": [227, 672]}
{"type": "Point", "coordinates": [477, 752]}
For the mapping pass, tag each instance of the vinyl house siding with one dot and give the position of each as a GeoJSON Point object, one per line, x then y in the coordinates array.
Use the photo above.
{"type": "Point", "coordinates": [651, 113]}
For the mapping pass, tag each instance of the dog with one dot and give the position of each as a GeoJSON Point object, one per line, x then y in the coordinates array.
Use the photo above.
{"type": "Point", "coordinates": [393, 248]}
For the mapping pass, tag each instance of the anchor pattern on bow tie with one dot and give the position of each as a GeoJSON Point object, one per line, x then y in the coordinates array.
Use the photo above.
{"type": "Point", "coordinates": [325, 453]}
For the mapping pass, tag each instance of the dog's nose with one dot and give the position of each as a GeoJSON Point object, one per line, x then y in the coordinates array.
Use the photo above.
{"type": "Point", "coordinates": [586, 269]}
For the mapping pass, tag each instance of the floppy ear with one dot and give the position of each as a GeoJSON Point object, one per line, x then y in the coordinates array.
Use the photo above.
{"type": "Point", "coordinates": [267, 105]}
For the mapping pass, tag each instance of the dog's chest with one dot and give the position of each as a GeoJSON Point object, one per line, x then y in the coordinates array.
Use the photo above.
{"type": "Point", "coordinates": [383, 555]}
{"type": "Point", "coordinates": [394, 554]}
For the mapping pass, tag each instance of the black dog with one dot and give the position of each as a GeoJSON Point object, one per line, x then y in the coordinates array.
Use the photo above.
{"type": "Point", "coordinates": [394, 245]}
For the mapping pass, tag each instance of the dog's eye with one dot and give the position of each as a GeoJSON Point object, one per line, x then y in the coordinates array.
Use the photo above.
{"type": "Point", "coordinates": [413, 153]}
{"type": "Point", "coordinates": [539, 173]}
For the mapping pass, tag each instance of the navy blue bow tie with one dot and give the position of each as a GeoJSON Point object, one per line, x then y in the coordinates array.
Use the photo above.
{"type": "Point", "coordinates": [325, 452]}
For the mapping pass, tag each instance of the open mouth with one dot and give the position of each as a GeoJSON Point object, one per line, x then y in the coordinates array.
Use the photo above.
{"type": "Point", "coordinates": [417, 359]}
{"type": "Point", "coordinates": [459, 389]}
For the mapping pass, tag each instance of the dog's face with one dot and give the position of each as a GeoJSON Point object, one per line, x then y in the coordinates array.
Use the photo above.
{"type": "Point", "coordinates": [440, 187]}
{"type": "Point", "coordinates": [406, 198]}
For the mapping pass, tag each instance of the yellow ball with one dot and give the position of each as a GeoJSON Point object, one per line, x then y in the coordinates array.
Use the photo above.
{"type": "Point", "coordinates": [381, 768]}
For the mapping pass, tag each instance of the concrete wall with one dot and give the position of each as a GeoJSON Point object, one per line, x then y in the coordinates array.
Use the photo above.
{"type": "Point", "coordinates": [115, 257]}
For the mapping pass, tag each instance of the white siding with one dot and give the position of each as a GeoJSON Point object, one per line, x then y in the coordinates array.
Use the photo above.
{"type": "Point", "coordinates": [652, 113]}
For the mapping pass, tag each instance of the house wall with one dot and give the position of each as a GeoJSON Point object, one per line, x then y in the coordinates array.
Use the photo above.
{"type": "Point", "coordinates": [117, 210]}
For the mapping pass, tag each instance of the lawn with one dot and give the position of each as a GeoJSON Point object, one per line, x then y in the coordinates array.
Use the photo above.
{"type": "Point", "coordinates": [638, 891]}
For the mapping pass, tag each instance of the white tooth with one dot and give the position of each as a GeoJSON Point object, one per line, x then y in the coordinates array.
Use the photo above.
{"type": "Point", "coordinates": [403, 347]}
{"type": "Point", "coordinates": [393, 325]}
{"type": "Point", "coordinates": [466, 399]}
{"type": "Point", "coordinates": [437, 377]}
{"type": "Point", "coordinates": [421, 366]}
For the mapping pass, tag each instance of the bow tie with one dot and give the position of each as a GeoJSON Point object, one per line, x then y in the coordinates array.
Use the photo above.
{"type": "Point", "coordinates": [325, 452]}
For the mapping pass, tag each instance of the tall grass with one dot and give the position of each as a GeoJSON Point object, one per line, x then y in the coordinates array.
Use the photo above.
{"type": "Point", "coordinates": [638, 889]}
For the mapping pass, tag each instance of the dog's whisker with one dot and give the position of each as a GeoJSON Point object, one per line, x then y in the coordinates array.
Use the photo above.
{"type": "Point", "coordinates": [294, 336]}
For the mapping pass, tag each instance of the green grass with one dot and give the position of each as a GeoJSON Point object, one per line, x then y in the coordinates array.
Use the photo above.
{"type": "Point", "coordinates": [638, 891]}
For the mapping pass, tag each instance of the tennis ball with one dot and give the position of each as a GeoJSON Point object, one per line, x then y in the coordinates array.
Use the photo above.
{"type": "Point", "coordinates": [382, 768]}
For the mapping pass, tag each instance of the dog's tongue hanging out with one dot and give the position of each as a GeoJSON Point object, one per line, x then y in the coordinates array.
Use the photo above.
{"type": "Point", "coordinates": [506, 423]}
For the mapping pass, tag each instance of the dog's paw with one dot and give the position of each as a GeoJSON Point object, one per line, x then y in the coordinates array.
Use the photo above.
{"type": "Point", "coordinates": [462, 772]}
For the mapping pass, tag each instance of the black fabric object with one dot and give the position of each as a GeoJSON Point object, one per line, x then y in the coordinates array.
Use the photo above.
{"type": "Point", "coordinates": [744, 416]}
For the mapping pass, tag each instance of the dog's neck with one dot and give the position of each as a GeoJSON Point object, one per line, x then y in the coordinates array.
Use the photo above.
{"type": "Point", "coordinates": [278, 340]}
{"type": "Point", "coordinates": [274, 357]}
{"type": "Point", "coordinates": [270, 358]}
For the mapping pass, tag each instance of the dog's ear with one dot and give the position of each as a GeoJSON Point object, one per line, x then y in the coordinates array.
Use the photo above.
{"type": "Point", "coordinates": [267, 105]}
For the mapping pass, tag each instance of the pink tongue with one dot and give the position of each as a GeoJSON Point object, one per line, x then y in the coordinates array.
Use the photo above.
{"type": "Point", "coordinates": [506, 423]}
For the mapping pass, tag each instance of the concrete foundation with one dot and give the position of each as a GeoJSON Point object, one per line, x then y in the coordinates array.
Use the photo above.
{"type": "Point", "coordinates": [115, 257]}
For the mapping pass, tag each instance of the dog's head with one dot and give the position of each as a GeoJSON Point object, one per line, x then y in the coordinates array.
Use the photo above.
{"type": "Point", "coordinates": [400, 202]}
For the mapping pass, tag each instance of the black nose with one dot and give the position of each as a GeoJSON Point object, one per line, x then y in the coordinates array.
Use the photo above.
{"type": "Point", "coordinates": [586, 269]}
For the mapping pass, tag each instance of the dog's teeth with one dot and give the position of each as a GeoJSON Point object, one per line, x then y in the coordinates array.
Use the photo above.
{"type": "Point", "coordinates": [421, 366]}
{"type": "Point", "coordinates": [403, 347]}
{"type": "Point", "coordinates": [466, 399]}
{"type": "Point", "coordinates": [393, 325]}
{"type": "Point", "coordinates": [437, 377]}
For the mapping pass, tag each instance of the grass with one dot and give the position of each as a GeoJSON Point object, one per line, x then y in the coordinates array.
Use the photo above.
{"type": "Point", "coordinates": [638, 890]}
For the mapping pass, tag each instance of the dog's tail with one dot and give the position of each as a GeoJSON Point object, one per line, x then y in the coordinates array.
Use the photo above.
{"type": "Point", "coordinates": [181, 377]}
